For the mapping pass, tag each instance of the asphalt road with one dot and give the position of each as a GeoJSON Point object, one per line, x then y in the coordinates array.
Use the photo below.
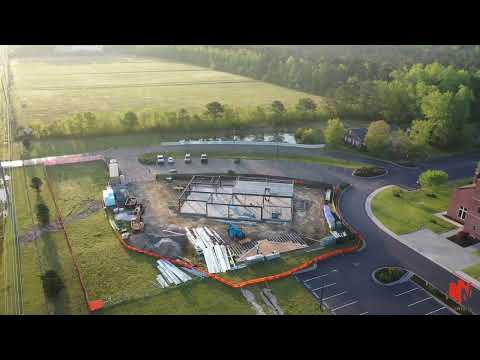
{"type": "Point", "coordinates": [355, 270]}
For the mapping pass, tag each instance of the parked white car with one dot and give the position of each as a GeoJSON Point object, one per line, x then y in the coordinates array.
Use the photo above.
{"type": "Point", "coordinates": [171, 160]}
{"type": "Point", "coordinates": [204, 159]}
{"type": "Point", "coordinates": [160, 159]}
{"type": "Point", "coordinates": [188, 159]}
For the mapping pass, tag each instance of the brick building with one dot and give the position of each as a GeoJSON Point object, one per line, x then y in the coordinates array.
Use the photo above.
{"type": "Point", "coordinates": [356, 137]}
{"type": "Point", "coordinates": [464, 206]}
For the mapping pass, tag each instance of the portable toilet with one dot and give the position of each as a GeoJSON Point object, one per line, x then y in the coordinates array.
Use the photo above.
{"type": "Point", "coordinates": [113, 170]}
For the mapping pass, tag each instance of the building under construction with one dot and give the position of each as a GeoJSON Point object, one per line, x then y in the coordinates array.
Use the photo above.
{"type": "Point", "coordinates": [238, 198]}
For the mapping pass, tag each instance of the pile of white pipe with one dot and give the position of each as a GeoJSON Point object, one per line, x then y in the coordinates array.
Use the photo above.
{"type": "Point", "coordinates": [170, 274]}
{"type": "Point", "coordinates": [217, 254]}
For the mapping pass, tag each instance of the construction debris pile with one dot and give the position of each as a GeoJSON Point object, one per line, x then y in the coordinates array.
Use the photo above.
{"type": "Point", "coordinates": [216, 252]}
{"type": "Point", "coordinates": [172, 275]}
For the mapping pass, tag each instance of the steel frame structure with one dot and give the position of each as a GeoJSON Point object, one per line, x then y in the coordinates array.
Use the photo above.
{"type": "Point", "coordinates": [219, 182]}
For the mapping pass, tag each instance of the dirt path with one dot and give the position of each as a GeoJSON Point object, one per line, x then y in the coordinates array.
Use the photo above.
{"type": "Point", "coordinates": [251, 299]}
{"type": "Point", "coordinates": [37, 233]}
{"type": "Point", "coordinates": [271, 301]}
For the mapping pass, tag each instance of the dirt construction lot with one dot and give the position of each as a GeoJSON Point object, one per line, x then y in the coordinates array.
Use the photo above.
{"type": "Point", "coordinates": [160, 199]}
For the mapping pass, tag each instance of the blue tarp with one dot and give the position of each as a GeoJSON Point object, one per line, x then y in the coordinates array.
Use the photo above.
{"type": "Point", "coordinates": [329, 217]}
{"type": "Point", "coordinates": [109, 198]}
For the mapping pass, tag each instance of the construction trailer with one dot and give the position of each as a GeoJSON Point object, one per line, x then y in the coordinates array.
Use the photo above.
{"type": "Point", "coordinates": [238, 198]}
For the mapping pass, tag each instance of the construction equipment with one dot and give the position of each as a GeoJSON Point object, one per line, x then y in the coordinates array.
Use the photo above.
{"type": "Point", "coordinates": [137, 226]}
{"type": "Point", "coordinates": [137, 223]}
{"type": "Point", "coordinates": [131, 203]}
{"type": "Point", "coordinates": [235, 233]}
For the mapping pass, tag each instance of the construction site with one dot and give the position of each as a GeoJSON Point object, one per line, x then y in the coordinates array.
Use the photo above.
{"type": "Point", "coordinates": [220, 223]}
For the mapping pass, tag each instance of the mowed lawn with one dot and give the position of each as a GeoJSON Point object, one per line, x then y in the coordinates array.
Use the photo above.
{"type": "Point", "coordinates": [197, 297]}
{"type": "Point", "coordinates": [48, 89]}
{"type": "Point", "coordinates": [26, 197]}
{"type": "Point", "coordinates": [473, 271]}
{"type": "Point", "coordinates": [414, 210]}
{"type": "Point", "coordinates": [48, 252]}
{"type": "Point", "coordinates": [78, 186]}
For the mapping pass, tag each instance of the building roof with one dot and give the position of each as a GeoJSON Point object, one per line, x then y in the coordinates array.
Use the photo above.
{"type": "Point", "coordinates": [471, 186]}
{"type": "Point", "coordinates": [359, 132]}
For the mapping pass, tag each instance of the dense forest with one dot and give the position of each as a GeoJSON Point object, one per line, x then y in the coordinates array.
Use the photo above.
{"type": "Point", "coordinates": [434, 90]}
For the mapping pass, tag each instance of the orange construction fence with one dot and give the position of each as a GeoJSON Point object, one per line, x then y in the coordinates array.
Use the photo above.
{"type": "Point", "coordinates": [92, 305]}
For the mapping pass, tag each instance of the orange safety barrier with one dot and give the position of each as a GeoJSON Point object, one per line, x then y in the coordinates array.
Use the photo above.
{"type": "Point", "coordinates": [95, 305]}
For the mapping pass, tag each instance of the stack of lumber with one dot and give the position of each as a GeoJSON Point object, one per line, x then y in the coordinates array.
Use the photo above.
{"type": "Point", "coordinates": [216, 252]}
{"type": "Point", "coordinates": [170, 274]}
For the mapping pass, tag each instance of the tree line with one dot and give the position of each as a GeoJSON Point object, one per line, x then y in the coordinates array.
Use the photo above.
{"type": "Point", "coordinates": [216, 116]}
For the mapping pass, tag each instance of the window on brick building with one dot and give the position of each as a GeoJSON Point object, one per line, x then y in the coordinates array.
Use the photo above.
{"type": "Point", "coordinates": [462, 212]}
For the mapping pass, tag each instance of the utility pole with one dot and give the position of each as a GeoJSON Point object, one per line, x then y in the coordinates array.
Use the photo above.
{"type": "Point", "coordinates": [321, 293]}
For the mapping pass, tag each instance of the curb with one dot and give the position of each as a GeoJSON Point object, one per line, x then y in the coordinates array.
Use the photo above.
{"type": "Point", "coordinates": [370, 177]}
{"type": "Point", "coordinates": [403, 279]}
{"type": "Point", "coordinates": [311, 268]}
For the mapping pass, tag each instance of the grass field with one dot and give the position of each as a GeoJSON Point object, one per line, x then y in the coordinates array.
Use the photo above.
{"type": "Point", "coordinates": [473, 271]}
{"type": "Point", "coordinates": [77, 186]}
{"type": "Point", "coordinates": [414, 210]}
{"type": "Point", "coordinates": [198, 297]}
{"type": "Point", "coordinates": [49, 252]}
{"type": "Point", "coordinates": [26, 197]}
{"type": "Point", "coordinates": [47, 89]}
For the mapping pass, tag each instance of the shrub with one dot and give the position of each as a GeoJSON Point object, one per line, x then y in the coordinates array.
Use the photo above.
{"type": "Point", "coordinates": [231, 172]}
{"type": "Point", "coordinates": [431, 179]}
{"type": "Point", "coordinates": [369, 171]}
{"type": "Point", "coordinates": [309, 136]}
{"type": "Point", "coordinates": [148, 158]}
{"type": "Point", "coordinates": [389, 275]}
{"type": "Point", "coordinates": [335, 132]}
{"type": "Point", "coordinates": [397, 192]}
{"type": "Point", "coordinates": [36, 183]}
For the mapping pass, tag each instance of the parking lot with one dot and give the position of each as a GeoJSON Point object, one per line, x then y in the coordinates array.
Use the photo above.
{"type": "Point", "coordinates": [329, 286]}
{"type": "Point", "coordinates": [417, 300]}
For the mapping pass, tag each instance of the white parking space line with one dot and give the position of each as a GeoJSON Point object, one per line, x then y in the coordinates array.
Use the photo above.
{"type": "Point", "coordinates": [316, 277]}
{"type": "Point", "coordinates": [341, 293]}
{"type": "Point", "coordinates": [406, 292]}
{"type": "Point", "coordinates": [418, 302]}
{"type": "Point", "coordinates": [323, 287]}
{"type": "Point", "coordinates": [341, 307]}
{"type": "Point", "coordinates": [365, 313]}
{"type": "Point", "coordinates": [434, 311]}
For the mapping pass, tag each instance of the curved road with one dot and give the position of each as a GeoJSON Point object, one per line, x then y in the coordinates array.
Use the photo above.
{"type": "Point", "coordinates": [354, 270]}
